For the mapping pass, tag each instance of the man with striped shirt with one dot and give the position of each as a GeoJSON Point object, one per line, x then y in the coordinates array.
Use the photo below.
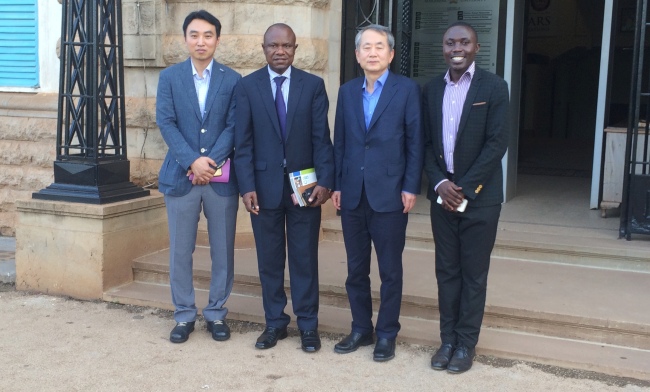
{"type": "Point", "coordinates": [466, 135]}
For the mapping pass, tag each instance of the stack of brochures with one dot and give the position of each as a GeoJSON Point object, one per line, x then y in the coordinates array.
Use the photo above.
{"type": "Point", "coordinates": [302, 181]}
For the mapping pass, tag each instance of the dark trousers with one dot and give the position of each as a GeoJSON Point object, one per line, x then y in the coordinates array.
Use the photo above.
{"type": "Point", "coordinates": [464, 242]}
{"type": "Point", "coordinates": [302, 225]}
{"type": "Point", "coordinates": [387, 232]}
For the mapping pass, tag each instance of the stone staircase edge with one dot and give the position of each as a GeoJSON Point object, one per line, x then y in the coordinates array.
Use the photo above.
{"type": "Point", "coordinates": [489, 337]}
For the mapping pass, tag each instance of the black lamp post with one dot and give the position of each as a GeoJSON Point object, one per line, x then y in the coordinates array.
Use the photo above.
{"type": "Point", "coordinates": [91, 163]}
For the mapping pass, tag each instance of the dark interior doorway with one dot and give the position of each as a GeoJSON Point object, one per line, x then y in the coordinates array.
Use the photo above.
{"type": "Point", "coordinates": [560, 87]}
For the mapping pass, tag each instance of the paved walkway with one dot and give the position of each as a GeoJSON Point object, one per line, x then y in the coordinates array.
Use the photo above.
{"type": "Point", "coordinates": [57, 344]}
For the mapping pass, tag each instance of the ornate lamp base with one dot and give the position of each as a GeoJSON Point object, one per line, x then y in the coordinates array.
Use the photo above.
{"type": "Point", "coordinates": [92, 183]}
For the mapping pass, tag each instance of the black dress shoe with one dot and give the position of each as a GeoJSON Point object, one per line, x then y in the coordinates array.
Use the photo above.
{"type": "Point", "coordinates": [270, 337]}
{"type": "Point", "coordinates": [219, 329]}
{"type": "Point", "coordinates": [462, 360]}
{"type": "Point", "coordinates": [384, 350]}
{"type": "Point", "coordinates": [353, 341]}
{"type": "Point", "coordinates": [441, 358]}
{"type": "Point", "coordinates": [309, 341]}
{"type": "Point", "coordinates": [181, 332]}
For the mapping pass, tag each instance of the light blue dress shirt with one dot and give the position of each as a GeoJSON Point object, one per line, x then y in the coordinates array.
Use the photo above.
{"type": "Point", "coordinates": [202, 84]}
{"type": "Point", "coordinates": [370, 100]}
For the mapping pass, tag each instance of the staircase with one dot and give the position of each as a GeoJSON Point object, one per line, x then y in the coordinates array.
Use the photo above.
{"type": "Point", "coordinates": [569, 297]}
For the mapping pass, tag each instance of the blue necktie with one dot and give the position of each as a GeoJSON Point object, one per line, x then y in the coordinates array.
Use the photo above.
{"type": "Point", "coordinates": [280, 106]}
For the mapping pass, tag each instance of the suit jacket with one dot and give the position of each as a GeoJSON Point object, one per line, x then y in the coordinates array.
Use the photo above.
{"type": "Point", "coordinates": [387, 157]}
{"type": "Point", "coordinates": [259, 151]}
{"type": "Point", "coordinates": [189, 135]}
{"type": "Point", "coordinates": [481, 142]}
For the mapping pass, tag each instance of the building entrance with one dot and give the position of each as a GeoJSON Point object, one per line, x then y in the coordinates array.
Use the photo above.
{"type": "Point", "coordinates": [554, 102]}
{"type": "Point", "coordinates": [418, 26]}
{"type": "Point", "coordinates": [560, 75]}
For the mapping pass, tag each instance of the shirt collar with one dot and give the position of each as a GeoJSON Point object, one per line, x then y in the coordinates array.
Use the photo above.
{"type": "Point", "coordinates": [208, 68]}
{"type": "Point", "coordinates": [381, 80]}
{"type": "Point", "coordinates": [470, 71]}
{"type": "Point", "coordinates": [273, 74]}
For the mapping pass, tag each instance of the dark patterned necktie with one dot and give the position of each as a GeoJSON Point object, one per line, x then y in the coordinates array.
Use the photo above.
{"type": "Point", "coordinates": [280, 105]}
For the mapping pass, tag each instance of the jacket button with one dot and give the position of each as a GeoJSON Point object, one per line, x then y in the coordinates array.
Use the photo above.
{"type": "Point", "coordinates": [203, 150]}
{"type": "Point", "coordinates": [367, 147]}
{"type": "Point", "coordinates": [361, 167]}
{"type": "Point", "coordinates": [202, 130]}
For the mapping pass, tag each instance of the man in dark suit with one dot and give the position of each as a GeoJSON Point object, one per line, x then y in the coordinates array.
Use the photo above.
{"type": "Point", "coordinates": [378, 149]}
{"type": "Point", "coordinates": [274, 137]}
{"type": "Point", "coordinates": [466, 132]}
{"type": "Point", "coordinates": [195, 111]}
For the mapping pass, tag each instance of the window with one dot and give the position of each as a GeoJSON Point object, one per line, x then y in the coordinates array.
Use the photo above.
{"type": "Point", "coordinates": [18, 43]}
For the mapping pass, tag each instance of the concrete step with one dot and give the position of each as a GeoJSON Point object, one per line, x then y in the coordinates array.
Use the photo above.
{"type": "Point", "coordinates": [558, 300]}
{"type": "Point", "coordinates": [537, 242]}
{"type": "Point", "coordinates": [604, 358]}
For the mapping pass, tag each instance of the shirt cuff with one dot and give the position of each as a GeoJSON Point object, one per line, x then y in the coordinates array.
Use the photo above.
{"type": "Point", "coordinates": [438, 184]}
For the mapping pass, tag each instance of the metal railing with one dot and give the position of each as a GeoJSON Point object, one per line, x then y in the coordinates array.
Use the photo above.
{"type": "Point", "coordinates": [635, 206]}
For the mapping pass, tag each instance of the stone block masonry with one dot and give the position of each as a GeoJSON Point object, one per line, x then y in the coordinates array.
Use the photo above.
{"type": "Point", "coordinates": [153, 40]}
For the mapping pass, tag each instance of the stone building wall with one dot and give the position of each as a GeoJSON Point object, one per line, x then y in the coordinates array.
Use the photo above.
{"type": "Point", "coordinates": [27, 150]}
{"type": "Point", "coordinates": [153, 40]}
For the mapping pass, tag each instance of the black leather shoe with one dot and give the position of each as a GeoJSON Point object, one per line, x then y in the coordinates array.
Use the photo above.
{"type": "Point", "coordinates": [219, 329]}
{"type": "Point", "coordinates": [309, 341]}
{"type": "Point", "coordinates": [353, 341]}
{"type": "Point", "coordinates": [462, 360]}
{"type": "Point", "coordinates": [384, 350]}
{"type": "Point", "coordinates": [181, 332]}
{"type": "Point", "coordinates": [270, 337]}
{"type": "Point", "coordinates": [441, 358]}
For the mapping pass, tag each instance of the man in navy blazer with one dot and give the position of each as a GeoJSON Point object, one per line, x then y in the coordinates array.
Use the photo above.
{"type": "Point", "coordinates": [195, 112]}
{"type": "Point", "coordinates": [378, 151]}
{"type": "Point", "coordinates": [466, 131]}
{"type": "Point", "coordinates": [274, 137]}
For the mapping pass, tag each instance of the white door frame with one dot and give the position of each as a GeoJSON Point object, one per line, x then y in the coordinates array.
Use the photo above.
{"type": "Point", "coordinates": [600, 108]}
{"type": "Point", "coordinates": [511, 72]}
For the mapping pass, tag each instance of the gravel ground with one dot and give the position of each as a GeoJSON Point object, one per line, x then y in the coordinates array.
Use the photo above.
{"type": "Point", "coordinates": [60, 344]}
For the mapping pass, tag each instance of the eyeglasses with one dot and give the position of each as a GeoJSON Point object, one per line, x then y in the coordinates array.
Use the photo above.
{"type": "Point", "coordinates": [285, 47]}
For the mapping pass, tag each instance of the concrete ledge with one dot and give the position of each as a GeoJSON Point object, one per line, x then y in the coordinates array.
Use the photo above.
{"type": "Point", "coordinates": [82, 250]}
{"type": "Point", "coordinates": [28, 105]}
{"type": "Point", "coordinates": [574, 246]}
{"type": "Point", "coordinates": [609, 359]}
{"type": "Point", "coordinates": [558, 300]}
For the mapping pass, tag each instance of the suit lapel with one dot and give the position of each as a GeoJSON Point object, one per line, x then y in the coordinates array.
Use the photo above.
{"type": "Point", "coordinates": [295, 91]}
{"type": "Point", "coordinates": [264, 86]}
{"type": "Point", "coordinates": [216, 78]}
{"type": "Point", "coordinates": [357, 104]}
{"type": "Point", "coordinates": [187, 79]}
{"type": "Point", "coordinates": [439, 92]}
{"type": "Point", "coordinates": [387, 93]}
{"type": "Point", "coordinates": [469, 101]}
